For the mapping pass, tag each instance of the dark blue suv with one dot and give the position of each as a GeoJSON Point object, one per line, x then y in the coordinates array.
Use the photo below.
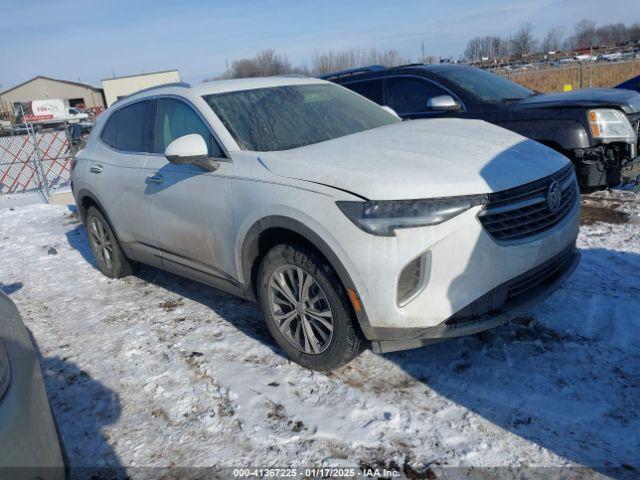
{"type": "Point", "coordinates": [570, 122]}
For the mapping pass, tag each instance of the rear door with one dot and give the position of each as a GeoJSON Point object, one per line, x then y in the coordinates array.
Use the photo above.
{"type": "Point", "coordinates": [189, 207]}
{"type": "Point", "coordinates": [116, 174]}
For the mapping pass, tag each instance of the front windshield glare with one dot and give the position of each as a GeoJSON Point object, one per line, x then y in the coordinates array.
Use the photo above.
{"type": "Point", "coordinates": [281, 118]}
{"type": "Point", "coordinates": [487, 86]}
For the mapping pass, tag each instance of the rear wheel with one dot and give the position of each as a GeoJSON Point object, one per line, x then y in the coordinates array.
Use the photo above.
{"type": "Point", "coordinates": [111, 260]}
{"type": "Point", "coordinates": [306, 308]}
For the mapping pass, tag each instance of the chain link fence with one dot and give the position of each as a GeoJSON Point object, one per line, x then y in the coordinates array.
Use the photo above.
{"type": "Point", "coordinates": [591, 74]}
{"type": "Point", "coordinates": [34, 165]}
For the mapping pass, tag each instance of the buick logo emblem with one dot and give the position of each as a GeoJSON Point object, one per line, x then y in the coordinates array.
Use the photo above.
{"type": "Point", "coordinates": [554, 196]}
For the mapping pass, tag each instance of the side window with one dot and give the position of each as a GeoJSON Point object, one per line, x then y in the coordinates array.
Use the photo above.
{"type": "Point", "coordinates": [127, 129]}
{"type": "Point", "coordinates": [371, 89]}
{"type": "Point", "coordinates": [175, 119]}
{"type": "Point", "coordinates": [410, 95]}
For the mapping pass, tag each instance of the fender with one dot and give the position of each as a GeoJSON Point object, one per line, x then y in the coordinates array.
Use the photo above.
{"type": "Point", "coordinates": [251, 250]}
{"type": "Point", "coordinates": [566, 133]}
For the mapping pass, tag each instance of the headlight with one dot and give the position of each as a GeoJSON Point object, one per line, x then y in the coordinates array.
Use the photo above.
{"type": "Point", "coordinates": [383, 217]}
{"type": "Point", "coordinates": [610, 125]}
{"type": "Point", "coordinates": [5, 370]}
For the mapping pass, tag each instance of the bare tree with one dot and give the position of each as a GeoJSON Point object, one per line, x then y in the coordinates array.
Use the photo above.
{"type": "Point", "coordinates": [269, 63]}
{"type": "Point", "coordinates": [264, 64]}
{"type": "Point", "coordinates": [585, 34]}
{"type": "Point", "coordinates": [523, 42]}
{"type": "Point", "coordinates": [332, 61]}
{"type": "Point", "coordinates": [553, 40]}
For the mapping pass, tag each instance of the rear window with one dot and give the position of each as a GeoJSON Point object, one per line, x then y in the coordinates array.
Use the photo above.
{"type": "Point", "coordinates": [281, 118]}
{"type": "Point", "coordinates": [128, 129]}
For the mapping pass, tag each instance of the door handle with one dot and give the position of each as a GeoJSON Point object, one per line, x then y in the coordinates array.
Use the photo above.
{"type": "Point", "coordinates": [96, 169]}
{"type": "Point", "coordinates": [154, 179]}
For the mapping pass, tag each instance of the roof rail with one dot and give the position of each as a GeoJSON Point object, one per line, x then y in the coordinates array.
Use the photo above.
{"type": "Point", "coordinates": [171, 84]}
{"type": "Point", "coordinates": [416, 64]}
{"type": "Point", "coordinates": [353, 71]}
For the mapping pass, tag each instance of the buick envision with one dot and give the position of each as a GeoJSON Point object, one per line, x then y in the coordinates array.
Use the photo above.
{"type": "Point", "coordinates": [347, 225]}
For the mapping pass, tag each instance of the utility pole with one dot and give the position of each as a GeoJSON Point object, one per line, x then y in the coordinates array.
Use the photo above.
{"type": "Point", "coordinates": [422, 50]}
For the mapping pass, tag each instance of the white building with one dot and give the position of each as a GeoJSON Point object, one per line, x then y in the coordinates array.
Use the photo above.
{"type": "Point", "coordinates": [117, 87]}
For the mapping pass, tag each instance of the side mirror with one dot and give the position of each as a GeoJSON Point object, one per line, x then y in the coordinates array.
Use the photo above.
{"type": "Point", "coordinates": [187, 149]}
{"type": "Point", "coordinates": [391, 111]}
{"type": "Point", "coordinates": [443, 103]}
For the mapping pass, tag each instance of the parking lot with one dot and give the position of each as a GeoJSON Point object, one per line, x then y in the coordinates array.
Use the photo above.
{"type": "Point", "coordinates": [129, 362]}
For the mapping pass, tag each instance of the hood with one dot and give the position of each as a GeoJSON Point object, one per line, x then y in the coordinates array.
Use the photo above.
{"type": "Point", "coordinates": [420, 159]}
{"type": "Point", "coordinates": [626, 100]}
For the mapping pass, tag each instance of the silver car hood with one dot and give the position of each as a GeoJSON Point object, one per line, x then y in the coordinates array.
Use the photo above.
{"type": "Point", "coordinates": [420, 159]}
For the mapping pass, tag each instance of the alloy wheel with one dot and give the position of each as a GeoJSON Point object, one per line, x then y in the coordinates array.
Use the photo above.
{"type": "Point", "coordinates": [102, 242]}
{"type": "Point", "coordinates": [300, 309]}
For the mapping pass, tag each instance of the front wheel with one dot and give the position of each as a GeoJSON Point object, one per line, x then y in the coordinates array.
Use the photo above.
{"type": "Point", "coordinates": [306, 308]}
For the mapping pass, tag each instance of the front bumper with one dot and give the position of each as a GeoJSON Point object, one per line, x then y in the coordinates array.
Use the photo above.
{"type": "Point", "coordinates": [497, 307]}
{"type": "Point", "coordinates": [465, 264]}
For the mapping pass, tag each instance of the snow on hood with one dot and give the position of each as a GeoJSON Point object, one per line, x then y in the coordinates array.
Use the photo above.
{"type": "Point", "coordinates": [420, 159]}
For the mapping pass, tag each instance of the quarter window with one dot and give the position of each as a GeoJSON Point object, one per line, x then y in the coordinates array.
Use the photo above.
{"type": "Point", "coordinates": [410, 95]}
{"type": "Point", "coordinates": [175, 119]}
{"type": "Point", "coordinates": [127, 129]}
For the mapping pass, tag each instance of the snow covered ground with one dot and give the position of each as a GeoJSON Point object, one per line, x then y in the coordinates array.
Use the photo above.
{"type": "Point", "coordinates": [155, 370]}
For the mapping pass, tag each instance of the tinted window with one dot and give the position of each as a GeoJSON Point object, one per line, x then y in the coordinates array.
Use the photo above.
{"type": "Point", "coordinates": [486, 86]}
{"type": "Point", "coordinates": [410, 95]}
{"type": "Point", "coordinates": [174, 119]}
{"type": "Point", "coordinates": [128, 129]}
{"type": "Point", "coordinates": [281, 118]}
{"type": "Point", "coordinates": [371, 89]}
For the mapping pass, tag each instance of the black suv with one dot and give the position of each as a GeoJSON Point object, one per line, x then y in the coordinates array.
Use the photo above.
{"type": "Point", "coordinates": [597, 129]}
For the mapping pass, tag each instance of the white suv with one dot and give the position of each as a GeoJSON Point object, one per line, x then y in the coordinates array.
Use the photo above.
{"type": "Point", "coordinates": [348, 226]}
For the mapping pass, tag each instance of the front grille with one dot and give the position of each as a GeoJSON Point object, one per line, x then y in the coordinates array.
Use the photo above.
{"type": "Point", "coordinates": [518, 290]}
{"type": "Point", "coordinates": [539, 277]}
{"type": "Point", "coordinates": [523, 212]}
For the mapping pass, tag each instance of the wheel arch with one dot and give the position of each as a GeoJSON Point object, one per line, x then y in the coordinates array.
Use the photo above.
{"type": "Point", "coordinates": [85, 200]}
{"type": "Point", "coordinates": [270, 231]}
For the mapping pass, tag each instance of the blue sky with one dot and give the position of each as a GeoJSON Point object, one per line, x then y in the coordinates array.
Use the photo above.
{"type": "Point", "coordinates": [88, 40]}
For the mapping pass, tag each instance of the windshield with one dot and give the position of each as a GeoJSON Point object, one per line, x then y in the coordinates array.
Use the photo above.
{"type": "Point", "coordinates": [281, 118]}
{"type": "Point", "coordinates": [487, 86]}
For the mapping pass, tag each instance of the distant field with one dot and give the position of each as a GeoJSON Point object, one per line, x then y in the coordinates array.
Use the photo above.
{"type": "Point", "coordinates": [553, 79]}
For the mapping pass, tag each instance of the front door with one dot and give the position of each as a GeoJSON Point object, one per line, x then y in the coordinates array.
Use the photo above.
{"type": "Point", "coordinates": [189, 207]}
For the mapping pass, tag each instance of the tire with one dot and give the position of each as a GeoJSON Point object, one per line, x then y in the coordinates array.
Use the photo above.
{"type": "Point", "coordinates": [307, 276]}
{"type": "Point", "coordinates": [110, 258]}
